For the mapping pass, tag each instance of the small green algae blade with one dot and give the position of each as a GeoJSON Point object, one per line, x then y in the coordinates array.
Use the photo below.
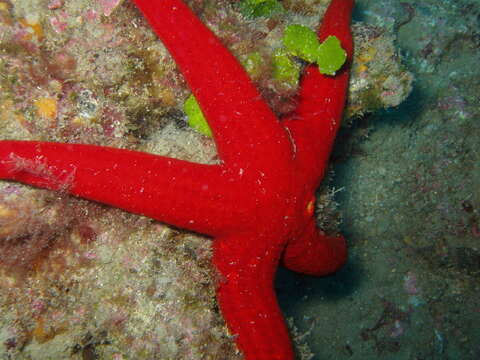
{"type": "Point", "coordinates": [301, 41]}
{"type": "Point", "coordinates": [330, 56]}
{"type": "Point", "coordinates": [196, 120]}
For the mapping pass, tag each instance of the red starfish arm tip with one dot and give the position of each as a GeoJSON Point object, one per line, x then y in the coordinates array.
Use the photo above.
{"type": "Point", "coordinates": [245, 293]}
{"type": "Point", "coordinates": [322, 97]}
{"type": "Point", "coordinates": [314, 253]}
{"type": "Point", "coordinates": [181, 193]}
{"type": "Point", "coordinates": [244, 128]}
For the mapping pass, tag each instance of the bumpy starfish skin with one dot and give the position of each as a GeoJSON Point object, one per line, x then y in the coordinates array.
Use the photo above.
{"type": "Point", "coordinates": [257, 204]}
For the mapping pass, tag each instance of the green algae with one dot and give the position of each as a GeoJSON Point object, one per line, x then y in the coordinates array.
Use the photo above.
{"type": "Point", "coordinates": [196, 119]}
{"type": "Point", "coordinates": [301, 41]}
{"type": "Point", "coordinates": [330, 56]}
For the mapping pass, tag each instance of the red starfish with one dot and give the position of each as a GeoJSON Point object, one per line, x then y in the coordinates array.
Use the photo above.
{"type": "Point", "coordinates": [258, 203]}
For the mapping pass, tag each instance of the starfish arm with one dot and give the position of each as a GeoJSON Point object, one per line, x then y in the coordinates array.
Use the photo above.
{"type": "Point", "coordinates": [245, 130]}
{"type": "Point", "coordinates": [177, 192]}
{"type": "Point", "coordinates": [315, 253]}
{"type": "Point", "coordinates": [246, 296]}
{"type": "Point", "coordinates": [322, 98]}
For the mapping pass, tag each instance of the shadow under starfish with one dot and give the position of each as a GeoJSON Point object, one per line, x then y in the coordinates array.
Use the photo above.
{"type": "Point", "coordinates": [258, 204]}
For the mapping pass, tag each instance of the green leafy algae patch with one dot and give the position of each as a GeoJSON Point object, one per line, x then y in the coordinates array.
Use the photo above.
{"type": "Point", "coordinates": [301, 41]}
{"type": "Point", "coordinates": [330, 56]}
{"type": "Point", "coordinates": [196, 119]}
